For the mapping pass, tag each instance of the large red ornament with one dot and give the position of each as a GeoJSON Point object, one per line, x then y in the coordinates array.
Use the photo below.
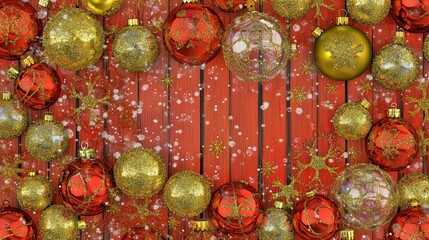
{"type": "Point", "coordinates": [19, 28]}
{"type": "Point", "coordinates": [15, 224]}
{"type": "Point", "coordinates": [85, 184]}
{"type": "Point", "coordinates": [411, 15]}
{"type": "Point", "coordinates": [392, 142]}
{"type": "Point", "coordinates": [236, 208]}
{"type": "Point", "coordinates": [410, 224]}
{"type": "Point", "coordinates": [142, 233]}
{"type": "Point", "coordinates": [315, 217]}
{"type": "Point", "coordinates": [193, 33]}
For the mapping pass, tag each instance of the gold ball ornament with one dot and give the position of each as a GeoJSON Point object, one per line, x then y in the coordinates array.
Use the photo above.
{"type": "Point", "coordinates": [291, 9]}
{"type": "Point", "coordinates": [140, 173]}
{"type": "Point", "coordinates": [58, 222]}
{"type": "Point", "coordinates": [342, 52]}
{"type": "Point", "coordinates": [426, 48]}
{"type": "Point", "coordinates": [73, 39]}
{"type": "Point", "coordinates": [46, 139]}
{"type": "Point", "coordinates": [413, 187]}
{"type": "Point", "coordinates": [276, 224]}
{"type": "Point", "coordinates": [102, 7]}
{"type": "Point", "coordinates": [396, 66]}
{"type": "Point", "coordinates": [352, 121]}
{"type": "Point", "coordinates": [187, 194]}
{"type": "Point", "coordinates": [135, 48]}
{"type": "Point", "coordinates": [368, 12]}
{"type": "Point", "coordinates": [13, 117]}
{"type": "Point", "coordinates": [35, 193]}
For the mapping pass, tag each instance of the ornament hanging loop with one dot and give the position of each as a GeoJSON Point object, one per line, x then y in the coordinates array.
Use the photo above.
{"type": "Point", "coordinates": [346, 14]}
{"type": "Point", "coordinates": [84, 145]}
{"type": "Point", "coordinates": [394, 105]}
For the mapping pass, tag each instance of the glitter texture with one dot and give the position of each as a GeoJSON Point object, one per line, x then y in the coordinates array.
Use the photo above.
{"type": "Point", "coordinates": [368, 11]}
{"type": "Point", "coordinates": [58, 222]}
{"type": "Point", "coordinates": [422, 103]}
{"type": "Point", "coordinates": [352, 121]}
{"type": "Point", "coordinates": [291, 9]}
{"type": "Point", "coordinates": [35, 193]}
{"type": "Point", "coordinates": [13, 118]}
{"type": "Point", "coordinates": [413, 187]}
{"type": "Point", "coordinates": [287, 192]}
{"type": "Point", "coordinates": [276, 225]}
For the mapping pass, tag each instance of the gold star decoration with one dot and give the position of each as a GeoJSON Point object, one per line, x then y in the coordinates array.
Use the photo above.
{"type": "Point", "coordinates": [353, 153]}
{"type": "Point", "coordinates": [365, 86]}
{"type": "Point", "coordinates": [286, 191]}
{"type": "Point", "coordinates": [306, 67]}
{"type": "Point", "coordinates": [173, 223]}
{"type": "Point", "coordinates": [318, 4]}
{"type": "Point", "coordinates": [424, 143]}
{"type": "Point", "coordinates": [167, 81]}
{"type": "Point", "coordinates": [331, 88]}
{"type": "Point", "coordinates": [216, 148]}
{"type": "Point", "coordinates": [298, 94]}
{"type": "Point", "coordinates": [422, 103]}
{"type": "Point", "coordinates": [268, 168]}
{"type": "Point", "coordinates": [10, 169]}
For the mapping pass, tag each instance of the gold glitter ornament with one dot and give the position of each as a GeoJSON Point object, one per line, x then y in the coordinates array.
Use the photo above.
{"type": "Point", "coordinates": [73, 39]}
{"type": "Point", "coordinates": [291, 9]}
{"type": "Point", "coordinates": [134, 47]}
{"type": "Point", "coordinates": [413, 187]}
{"type": "Point", "coordinates": [187, 194]}
{"type": "Point", "coordinates": [342, 52]}
{"type": "Point", "coordinates": [58, 222]}
{"type": "Point", "coordinates": [102, 7]}
{"type": "Point", "coordinates": [46, 139]}
{"type": "Point", "coordinates": [426, 48]}
{"type": "Point", "coordinates": [13, 117]}
{"type": "Point", "coordinates": [352, 121]}
{"type": "Point", "coordinates": [368, 12]}
{"type": "Point", "coordinates": [34, 193]}
{"type": "Point", "coordinates": [140, 173]}
{"type": "Point", "coordinates": [276, 224]}
{"type": "Point", "coordinates": [396, 66]}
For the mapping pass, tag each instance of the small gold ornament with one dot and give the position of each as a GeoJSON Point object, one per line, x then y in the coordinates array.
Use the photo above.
{"type": "Point", "coordinates": [413, 187]}
{"type": "Point", "coordinates": [187, 194]}
{"type": "Point", "coordinates": [102, 7]}
{"type": "Point", "coordinates": [140, 173]}
{"type": "Point", "coordinates": [426, 48]}
{"type": "Point", "coordinates": [13, 117]}
{"type": "Point", "coordinates": [368, 12]}
{"type": "Point", "coordinates": [135, 48]}
{"type": "Point", "coordinates": [352, 121]}
{"type": "Point", "coordinates": [291, 9]}
{"type": "Point", "coordinates": [34, 193]}
{"type": "Point", "coordinates": [276, 224]}
{"type": "Point", "coordinates": [73, 39]}
{"type": "Point", "coordinates": [46, 139]}
{"type": "Point", "coordinates": [58, 222]}
{"type": "Point", "coordinates": [396, 66]}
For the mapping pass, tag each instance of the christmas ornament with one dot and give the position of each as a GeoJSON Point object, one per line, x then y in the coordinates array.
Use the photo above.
{"type": "Point", "coordinates": [413, 187]}
{"type": "Point", "coordinates": [229, 5]}
{"type": "Point", "coordinates": [315, 217]}
{"type": "Point", "coordinates": [140, 173]}
{"type": "Point", "coordinates": [410, 224]}
{"type": "Point", "coordinates": [342, 52]}
{"type": "Point", "coordinates": [236, 208]}
{"type": "Point", "coordinates": [365, 195]}
{"type": "Point", "coordinates": [103, 7]}
{"type": "Point", "coordinates": [426, 48]}
{"type": "Point", "coordinates": [135, 48]}
{"type": "Point", "coordinates": [254, 46]}
{"type": "Point", "coordinates": [347, 234]}
{"type": "Point", "coordinates": [13, 117]}
{"type": "Point", "coordinates": [58, 222]}
{"type": "Point", "coordinates": [46, 139]}
{"type": "Point", "coordinates": [291, 9]}
{"type": "Point", "coordinates": [392, 142]}
{"type": "Point", "coordinates": [141, 233]}
{"type": "Point", "coordinates": [192, 33]}
{"type": "Point", "coordinates": [38, 86]}
{"type": "Point", "coordinates": [396, 66]}
{"type": "Point", "coordinates": [411, 15]}
{"type": "Point", "coordinates": [368, 12]}
{"type": "Point", "coordinates": [73, 39]}
{"type": "Point", "coordinates": [201, 231]}
{"type": "Point", "coordinates": [10, 170]}
{"type": "Point", "coordinates": [187, 194]}
{"type": "Point", "coordinates": [16, 224]}
{"type": "Point", "coordinates": [352, 121]}
{"type": "Point", "coordinates": [86, 183]}
{"type": "Point", "coordinates": [19, 28]}
{"type": "Point", "coordinates": [276, 224]}
{"type": "Point", "coordinates": [34, 193]}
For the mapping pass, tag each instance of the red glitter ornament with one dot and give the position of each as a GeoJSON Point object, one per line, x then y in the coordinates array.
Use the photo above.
{"type": "Point", "coordinates": [85, 184]}
{"type": "Point", "coordinates": [410, 224]}
{"type": "Point", "coordinates": [15, 224]}
{"type": "Point", "coordinates": [315, 217]}
{"type": "Point", "coordinates": [19, 28]}
{"type": "Point", "coordinates": [193, 33]}
{"type": "Point", "coordinates": [392, 142]}
{"type": "Point", "coordinates": [229, 5]}
{"type": "Point", "coordinates": [411, 15]}
{"type": "Point", "coordinates": [236, 208]}
{"type": "Point", "coordinates": [142, 233]}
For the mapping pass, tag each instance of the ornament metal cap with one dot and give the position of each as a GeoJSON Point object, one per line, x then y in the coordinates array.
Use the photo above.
{"type": "Point", "coordinates": [365, 103]}
{"type": "Point", "coordinates": [342, 20]}
{"type": "Point", "coordinates": [394, 112]}
{"type": "Point", "coordinates": [81, 225]}
{"type": "Point", "coordinates": [279, 205]}
{"type": "Point", "coordinates": [310, 194]}
{"type": "Point", "coordinates": [86, 153]}
{"type": "Point", "coordinates": [49, 117]}
{"type": "Point", "coordinates": [200, 225]}
{"type": "Point", "coordinates": [12, 73]}
{"type": "Point", "coordinates": [32, 174]}
{"type": "Point", "coordinates": [190, 1]}
{"type": "Point", "coordinates": [250, 4]}
{"type": "Point", "coordinates": [7, 96]}
{"type": "Point", "coordinates": [27, 62]}
{"type": "Point", "coordinates": [133, 22]}
{"type": "Point", "coordinates": [347, 234]}
{"type": "Point", "coordinates": [317, 32]}
{"type": "Point", "coordinates": [44, 3]}
{"type": "Point", "coordinates": [399, 37]}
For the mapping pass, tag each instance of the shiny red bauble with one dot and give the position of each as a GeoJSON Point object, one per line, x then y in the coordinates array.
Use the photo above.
{"type": "Point", "coordinates": [236, 208]}
{"type": "Point", "coordinates": [142, 233]}
{"type": "Point", "coordinates": [85, 184]}
{"type": "Point", "coordinates": [316, 217]}
{"type": "Point", "coordinates": [19, 28]}
{"type": "Point", "coordinates": [410, 224]}
{"type": "Point", "coordinates": [229, 5]}
{"type": "Point", "coordinates": [193, 34]}
{"type": "Point", "coordinates": [411, 15]}
{"type": "Point", "coordinates": [15, 224]}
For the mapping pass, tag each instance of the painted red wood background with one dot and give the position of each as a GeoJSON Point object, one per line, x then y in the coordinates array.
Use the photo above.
{"type": "Point", "coordinates": [255, 123]}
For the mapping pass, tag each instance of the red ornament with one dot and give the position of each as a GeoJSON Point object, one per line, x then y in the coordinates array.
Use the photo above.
{"type": "Point", "coordinates": [15, 224]}
{"type": "Point", "coordinates": [315, 217]}
{"type": "Point", "coordinates": [193, 33]}
{"type": "Point", "coordinates": [411, 15]}
{"type": "Point", "coordinates": [236, 208]}
{"type": "Point", "coordinates": [19, 28]}
{"type": "Point", "coordinates": [410, 224]}
{"type": "Point", "coordinates": [392, 143]}
{"type": "Point", "coordinates": [229, 5]}
{"type": "Point", "coordinates": [85, 184]}
{"type": "Point", "coordinates": [141, 233]}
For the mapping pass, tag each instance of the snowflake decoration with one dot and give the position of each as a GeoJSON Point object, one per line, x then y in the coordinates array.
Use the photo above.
{"type": "Point", "coordinates": [318, 4]}
{"type": "Point", "coordinates": [424, 143]}
{"type": "Point", "coordinates": [343, 53]}
{"type": "Point", "coordinates": [135, 212]}
{"type": "Point", "coordinates": [331, 88]}
{"type": "Point", "coordinates": [365, 86]}
{"type": "Point", "coordinates": [422, 103]}
{"type": "Point", "coordinates": [167, 81]}
{"type": "Point", "coordinates": [268, 168]}
{"type": "Point", "coordinates": [306, 67]}
{"type": "Point", "coordinates": [237, 208]}
{"type": "Point", "coordinates": [298, 94]}
{"type": "Point", "coordinates": [216, 148]}
{"type": "Point", "coordinates": [10, 169]}
{"type": "Point", "coordinates": [353, 153]}
{"type": "Point", "coordinates": [286, 191]}
{"type": "Point", "coordinates": [173, 223]}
